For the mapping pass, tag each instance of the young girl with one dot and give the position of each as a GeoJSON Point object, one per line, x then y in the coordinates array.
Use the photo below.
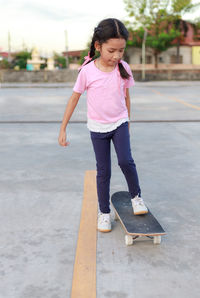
{"type": "Point", "coordinates": [107, 80]}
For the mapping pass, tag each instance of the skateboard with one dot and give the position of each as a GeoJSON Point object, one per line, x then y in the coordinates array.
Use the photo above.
{"type": "Point", "coordinates": [135, 225]}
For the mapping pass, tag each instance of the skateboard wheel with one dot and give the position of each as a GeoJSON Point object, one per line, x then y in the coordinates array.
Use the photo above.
{"type": "Point", "coordinates": [157, 239]}
{"type": "Point", "coordinates": [128, 240]}
{"type": "Point", "coordinates": [116, 217]}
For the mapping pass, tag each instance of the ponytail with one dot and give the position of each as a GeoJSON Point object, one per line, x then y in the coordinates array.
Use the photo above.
{"type": "Point", "coordinates": [123, 73]}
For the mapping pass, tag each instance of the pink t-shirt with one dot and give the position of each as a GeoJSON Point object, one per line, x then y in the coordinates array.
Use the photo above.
{"type": "Point", "coordinates": [105, 92]}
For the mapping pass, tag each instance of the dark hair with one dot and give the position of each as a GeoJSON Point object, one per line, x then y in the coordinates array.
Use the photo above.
{"type": "Point", "coordinates": [106, 29]}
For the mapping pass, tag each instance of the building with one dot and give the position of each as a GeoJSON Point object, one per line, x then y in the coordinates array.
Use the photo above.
{"type": "Point", "coordinates": [3, 55]}
{"type": "Point", "coordinates": [189, 51]}
{"type": "Point", "coordinates": [74, 56]}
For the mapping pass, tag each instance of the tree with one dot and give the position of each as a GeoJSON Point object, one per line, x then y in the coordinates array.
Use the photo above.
{"type": "Point", "coordinates": [4, 64]}
{"type": "Point", "coordinates": [60, 61]}
{"type": "Point", "coordinates": [21, 59]}
{"type": "Point", "coordinates": [160, 19]}
{"type": "Point", "coordinates": [43, 65]}
{"type": "Point", "coordinates": [178, 9]}
{"type": "Point", "coordinates": [143, 13]}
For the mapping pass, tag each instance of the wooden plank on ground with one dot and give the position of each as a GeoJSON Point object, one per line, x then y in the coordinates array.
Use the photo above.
{"type": "Point", "coordinates": [84, 276]}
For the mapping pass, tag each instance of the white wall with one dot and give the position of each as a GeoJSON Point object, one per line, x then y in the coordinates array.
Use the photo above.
{"type": "Point", "coordinates": [134, 54]}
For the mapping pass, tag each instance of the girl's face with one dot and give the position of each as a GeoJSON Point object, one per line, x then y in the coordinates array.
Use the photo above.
{"type": "Point", "coordinates": [112, 50]}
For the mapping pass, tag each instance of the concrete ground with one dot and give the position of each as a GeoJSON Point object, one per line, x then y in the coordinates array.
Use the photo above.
{"type": "Point", "coordinates": [42, 186]}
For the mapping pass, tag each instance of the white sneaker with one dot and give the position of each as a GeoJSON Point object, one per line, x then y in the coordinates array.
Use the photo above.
{"type": "Point", "coordinates": [138, 206]}
{"type": "Point", "coordinates": [104, 222]}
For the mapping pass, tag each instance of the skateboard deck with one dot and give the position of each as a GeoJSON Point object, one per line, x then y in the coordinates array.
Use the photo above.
{"type": "Point", "coordinates": [135, 225]}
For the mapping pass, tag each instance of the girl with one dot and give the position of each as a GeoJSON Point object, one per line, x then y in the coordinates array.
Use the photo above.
{"type": "Point", "coordinates": [107, 80]}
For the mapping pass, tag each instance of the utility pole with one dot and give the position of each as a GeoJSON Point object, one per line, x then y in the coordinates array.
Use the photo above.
{"type": "Point", "coordinates": [23, 45]}
{"type": "Point", "coordinates": [66, 49]}
{"type": "Point", "coordinates": [144, 54]}
{"type": "Point", "coordinates": [9, 47]}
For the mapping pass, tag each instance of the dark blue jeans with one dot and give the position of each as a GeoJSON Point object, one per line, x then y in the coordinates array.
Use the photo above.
{"type": "Point", "coordinates": [101, 144]}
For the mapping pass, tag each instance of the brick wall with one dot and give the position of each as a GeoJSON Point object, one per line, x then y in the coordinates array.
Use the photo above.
{"type": "Point", "coordinates": [40, 76]}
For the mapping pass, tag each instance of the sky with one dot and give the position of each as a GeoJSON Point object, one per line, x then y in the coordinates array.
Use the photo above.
{"type": "Point", "coordinates": [43, 23]}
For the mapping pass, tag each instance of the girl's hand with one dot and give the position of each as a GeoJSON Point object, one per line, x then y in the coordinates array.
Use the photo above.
{"type": "Point", "coordinates": [62, 139]}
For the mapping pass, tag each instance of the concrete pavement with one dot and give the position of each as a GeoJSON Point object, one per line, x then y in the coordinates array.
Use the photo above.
{"type": "Point", "coordinates": [42, 186]}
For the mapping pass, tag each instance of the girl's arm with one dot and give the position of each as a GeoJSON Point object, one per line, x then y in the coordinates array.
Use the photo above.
{"type": "Point", "coordinates": [73, 100]}
{"type": "Point", "coordinates": [128, 104]}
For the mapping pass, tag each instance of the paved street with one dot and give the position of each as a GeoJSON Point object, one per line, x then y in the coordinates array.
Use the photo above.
{"type": "Point", "coordinates": [41, 188]}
